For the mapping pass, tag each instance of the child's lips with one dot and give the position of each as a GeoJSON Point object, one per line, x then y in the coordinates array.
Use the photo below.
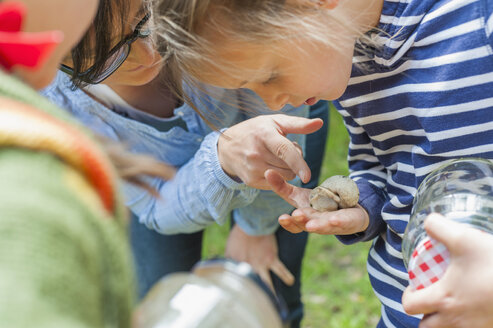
{"type": "Point", "coordinates": [311, 101]}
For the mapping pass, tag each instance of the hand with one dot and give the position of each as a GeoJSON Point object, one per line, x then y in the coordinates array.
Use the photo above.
{"type": "Point", "coordinates": [463, 297]}
{"type": "Point", "coordinates": [260, 252]}
{"type": "Point", "coordinates": [304, 218]}
{"type": "Point", "coordinates": [247, 149]}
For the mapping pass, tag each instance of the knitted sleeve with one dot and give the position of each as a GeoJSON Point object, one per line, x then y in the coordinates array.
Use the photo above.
{"type": "Point", "coordinates": [51, 261]}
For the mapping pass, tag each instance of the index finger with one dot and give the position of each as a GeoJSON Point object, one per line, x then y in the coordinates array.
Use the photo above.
{"type": "Point", "coordinates": [284, 148]}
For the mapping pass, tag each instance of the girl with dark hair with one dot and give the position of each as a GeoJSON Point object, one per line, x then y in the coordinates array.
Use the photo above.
{"type": "Point", "coordinates": [64, 256]}
{"type": "Point", "coordinates": [122, 96]}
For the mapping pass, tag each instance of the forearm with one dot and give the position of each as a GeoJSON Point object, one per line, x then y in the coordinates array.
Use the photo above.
{"type": "Point", "coordinates": [199, 195]}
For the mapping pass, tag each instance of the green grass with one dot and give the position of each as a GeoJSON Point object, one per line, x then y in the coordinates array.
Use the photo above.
{"type": "Point", "coordinates": [335, 286]}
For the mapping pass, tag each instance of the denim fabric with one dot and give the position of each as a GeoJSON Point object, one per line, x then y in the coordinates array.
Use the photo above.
{"type": "Point", "coordinates": [156, 255]}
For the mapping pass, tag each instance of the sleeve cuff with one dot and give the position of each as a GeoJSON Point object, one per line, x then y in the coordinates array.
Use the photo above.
{"type": "Point", "coordinates": [372, 199]}
{"type": "Point", "coordinates": [210, 142]}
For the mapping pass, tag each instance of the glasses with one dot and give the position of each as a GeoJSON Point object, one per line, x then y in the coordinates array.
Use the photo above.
{"type": "Point", "coordinates": [117, 55]}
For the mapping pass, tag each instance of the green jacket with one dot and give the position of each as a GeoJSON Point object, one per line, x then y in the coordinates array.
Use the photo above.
{"type": "Point", "coordinates": [64, 256]}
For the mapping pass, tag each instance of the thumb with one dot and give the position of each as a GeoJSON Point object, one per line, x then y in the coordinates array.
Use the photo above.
{"type": "Point", "coordinates": [296, 124]}
{"type": "Point", "coordinates": [424, 300]}
{"type": "Point", "coordinates": [445, 231]}
{"type": "Point", "coordinates": [291, 194]}
{"type": "Point", "coordinates": [279, 185]}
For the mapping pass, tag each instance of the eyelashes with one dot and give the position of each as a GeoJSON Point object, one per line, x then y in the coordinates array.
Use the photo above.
{"type": "Point", "coordinates": [271, 79]}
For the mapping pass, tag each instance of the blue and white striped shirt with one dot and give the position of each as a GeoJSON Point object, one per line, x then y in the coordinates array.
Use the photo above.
{"type": "Point", "coordinates": [423, 97]}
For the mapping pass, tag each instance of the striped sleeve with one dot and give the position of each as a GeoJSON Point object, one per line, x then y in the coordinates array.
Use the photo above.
{"type": "Point", "coordinates": [369, 175]}
{"type": "Point", "coordinates": [422, 97]}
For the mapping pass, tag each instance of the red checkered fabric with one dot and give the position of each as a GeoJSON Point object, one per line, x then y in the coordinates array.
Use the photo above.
{"type": "Point", "coordinates": [428, 263]}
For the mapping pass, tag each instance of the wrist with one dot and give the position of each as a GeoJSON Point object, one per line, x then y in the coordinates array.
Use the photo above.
{"type": "Point", "coordinates": [222, 158]}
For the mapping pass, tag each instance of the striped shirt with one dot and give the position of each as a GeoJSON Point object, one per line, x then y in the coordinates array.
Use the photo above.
{"type": "Point", "coordinates": [424, 96]}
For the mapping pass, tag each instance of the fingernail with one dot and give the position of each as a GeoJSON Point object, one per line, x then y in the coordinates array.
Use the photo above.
{"type": "Point", "coordinates": [297, 212]}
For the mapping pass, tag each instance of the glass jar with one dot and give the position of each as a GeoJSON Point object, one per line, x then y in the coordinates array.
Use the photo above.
{"type": "Point", "coordinates": [461, 190]}
{"type": "Point", "coordinates": [216, 294]}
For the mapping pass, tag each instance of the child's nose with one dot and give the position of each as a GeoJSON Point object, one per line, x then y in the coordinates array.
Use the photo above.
{"type": "Point", "coordinates": [273, 100]}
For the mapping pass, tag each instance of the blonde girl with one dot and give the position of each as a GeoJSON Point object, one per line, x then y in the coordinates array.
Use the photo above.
{"type": "Point", "coordinates": [412, 79]}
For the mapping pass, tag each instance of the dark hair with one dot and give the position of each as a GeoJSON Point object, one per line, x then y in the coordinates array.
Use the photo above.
{"type": "Point", "coordinates": [94, 47]}
{"type": "Point", "coordinates": [93, 51]}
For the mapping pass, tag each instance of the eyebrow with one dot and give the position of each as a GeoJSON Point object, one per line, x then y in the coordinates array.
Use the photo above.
{"type": "Point", "coordinates": [274, 74]}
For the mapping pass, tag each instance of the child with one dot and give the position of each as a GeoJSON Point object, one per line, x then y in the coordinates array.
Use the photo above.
{"type": "Point", "coordinates": [127, 101]}
{"type": "Point", "coordinates": [64, 257]}
{"type": "Point", "coordinates": [412, 79]}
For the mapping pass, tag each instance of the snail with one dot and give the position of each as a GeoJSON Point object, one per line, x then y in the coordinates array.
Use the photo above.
{"type": "Point", "coordinates": [334, 193]}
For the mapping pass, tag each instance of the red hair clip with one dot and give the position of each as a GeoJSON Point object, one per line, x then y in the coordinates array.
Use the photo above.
{"type": "Point", "coordinates": [25, 49]}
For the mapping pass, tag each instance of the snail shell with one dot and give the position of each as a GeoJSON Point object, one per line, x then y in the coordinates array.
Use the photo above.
{"type": "Point", "coordinates": [334, 193]}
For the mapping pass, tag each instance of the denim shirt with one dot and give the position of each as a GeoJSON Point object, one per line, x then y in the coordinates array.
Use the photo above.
{"type": "Point", "coordinates": [201, 192]}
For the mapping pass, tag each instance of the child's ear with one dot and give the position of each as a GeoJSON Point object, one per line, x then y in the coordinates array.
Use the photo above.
{"type": "Point", "coordinates": [328, 4]}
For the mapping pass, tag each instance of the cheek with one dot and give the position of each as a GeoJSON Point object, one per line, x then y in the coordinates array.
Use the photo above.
{"type": "Point", "coordinates": [143, 52]}
{"type": "Point", "coordinates": [332, 78]}
{"type": "Point", "coordinates": [136, 78]}
{"type": "Point", "coordinates": [306, 84]}
{"type": "Point", "coordinates": [342, 73]}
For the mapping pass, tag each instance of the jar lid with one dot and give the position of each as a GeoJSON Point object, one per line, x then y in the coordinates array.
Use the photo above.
{"type": "Point", "coordinates": [244, 270]}
{"type": "Point", "coordinates": [428, 263]}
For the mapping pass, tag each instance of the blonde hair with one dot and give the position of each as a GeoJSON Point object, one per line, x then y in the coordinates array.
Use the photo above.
{"type": "Point", "coordinates": [182, 26]}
